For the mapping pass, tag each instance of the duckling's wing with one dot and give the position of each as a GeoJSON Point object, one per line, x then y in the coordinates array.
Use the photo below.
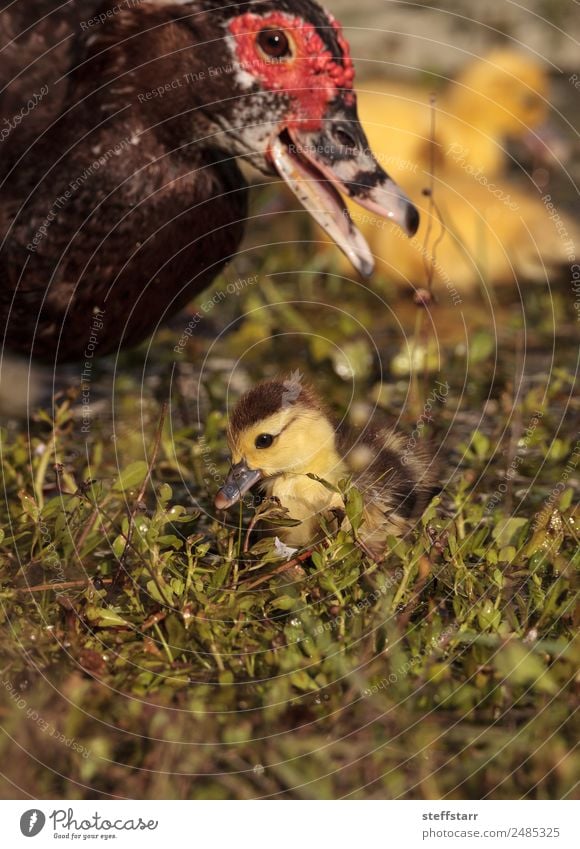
{"type": "Point", "coordinates": [396, 478]}
{"type": "Point", "coordinates": [37, 40]}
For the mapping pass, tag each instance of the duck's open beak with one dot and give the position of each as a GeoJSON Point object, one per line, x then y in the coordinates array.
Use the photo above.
{"type": "Point", "coordinates": [239, 481]}
{"type": "Point", "coordinates": [320, 165]}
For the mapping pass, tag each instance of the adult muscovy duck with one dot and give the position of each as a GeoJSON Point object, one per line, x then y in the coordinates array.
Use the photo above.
{"type": "Point", "coordinates": [120, 194]}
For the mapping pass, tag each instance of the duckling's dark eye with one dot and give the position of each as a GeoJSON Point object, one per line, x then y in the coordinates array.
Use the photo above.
{"type": "Point", "coordinates": [274, 43]}
{"type": "Point", "coordinates": [264, 440]}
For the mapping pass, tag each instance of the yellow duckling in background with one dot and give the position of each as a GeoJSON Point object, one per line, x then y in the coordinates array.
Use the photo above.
{"type": "Point", "coordinates": [500, 97]}
{"type": "Point", "coordinates": [282, 437]}
{"type": "Point", "coordinates": [495, 232]}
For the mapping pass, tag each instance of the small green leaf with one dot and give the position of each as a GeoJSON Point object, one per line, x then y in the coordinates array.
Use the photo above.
{"type": "Point", "coordinates": [324, 483]}
{"type": "Point", "coordinates": [558, 450]}
{"type": "Point", "coordinates": [498, 577]}
{"type": "Point", "coordinates": [488, 616]}
{"type": "Point", "coordinates": [119, 546]}
{"type": "Point", "coordinates": [491, 556]}
{"type": "Point", "coordinates": [480, 444]}
{"type": "Point", "coordinates": [508, 553]}
{"type": "Point", "coordinates": [519, 666]}
{"type": "Point", "coordinates": [170, 541]}
{"type": "Point", "coordinates": [281, 521]}
{"type": "Point", "coordinates": [481, 347]}
{"type": "Point", "coordinates": [131, 477]}
{"type": "Point", "coordinates": [221, 573]}
{"type": "Point", "coordinates": [105, 617]}
{"type": "Point", "coordinates": [506, 529]}
{"type": "Point", "coordinates": [155, 592]}
{"type": "Point", "coordinates": [302, 681]}
{"type": "Point", "coordinates": [566, 499]}
{"type": "Point", "coordinates": [29, 505]}
{"type": "Point", "coordinates": [354, 508]}
{"type": "Point", "coordinates": [165, 493]}
{"type": "Point", "coordinates": [284, 602]}
{"type": "Point", "coordinates": [318, 560]}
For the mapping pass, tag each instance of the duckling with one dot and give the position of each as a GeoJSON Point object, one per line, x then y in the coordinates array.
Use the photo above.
{"type": "Point", "coordinates": [282, 437]}
{"type": "Point", "coordinates": [500, 97]}
{"type": "Point", "coordinates": [495, 235]}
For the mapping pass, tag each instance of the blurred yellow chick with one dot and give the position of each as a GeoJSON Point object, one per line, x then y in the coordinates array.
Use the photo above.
{"type": "Point", "coordinates": [494, 231]}
{"type": "Point", "coordinates": [500, 97]}
{"type": "Point", "coordinates": [494, 234]}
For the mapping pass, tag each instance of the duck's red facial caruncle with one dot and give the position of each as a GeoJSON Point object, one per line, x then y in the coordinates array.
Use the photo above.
{"type": "Point", "coordinates": [297, 114]}
{"type": "Point", "coordinates": [287, 54]}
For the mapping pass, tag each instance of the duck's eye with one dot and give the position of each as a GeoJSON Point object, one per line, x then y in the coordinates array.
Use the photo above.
{"type": "Point", "coordinates": [345, 139]}
{"type": "Point", "coordinates": [274, 43]}
{"type": "Point", "coordinates": [264, 440]}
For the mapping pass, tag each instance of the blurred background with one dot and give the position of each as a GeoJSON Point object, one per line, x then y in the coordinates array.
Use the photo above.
{"type": "Point", "coordinates": [413, 37]}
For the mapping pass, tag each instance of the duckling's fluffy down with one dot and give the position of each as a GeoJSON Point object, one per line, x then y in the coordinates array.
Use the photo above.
{"type": "Point", "coordinates": [396, 483]}
{"type": "Point", "coordinates": [307, 456]}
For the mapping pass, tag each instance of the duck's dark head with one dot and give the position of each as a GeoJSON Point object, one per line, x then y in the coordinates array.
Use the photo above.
{"type": "Point", "coordinates": [269, 80]}
{"type": "Point", "coordinates": [293, 109]}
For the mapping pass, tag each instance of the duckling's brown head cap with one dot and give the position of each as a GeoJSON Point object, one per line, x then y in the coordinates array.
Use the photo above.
{"type": "Point", "coordinates": [267, 398]}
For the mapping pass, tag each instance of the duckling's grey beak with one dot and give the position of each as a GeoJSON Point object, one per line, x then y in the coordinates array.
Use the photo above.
{"type": "Point", "coordinates": [239, 481]}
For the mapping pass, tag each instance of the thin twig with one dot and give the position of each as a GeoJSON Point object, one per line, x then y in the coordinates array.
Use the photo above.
{"type": "Point", "coordinates": [154, 619]}
{"type": "Point", "coordinates": [82, 538]}
{"type": "Point", "coordinates": [412, 604]}
{"type": "Point", "coordinates": [430, 257]}
{"type": "Point", "coordinates": [515, 421]}
{"type": "Point", "coordinates": [296, 561]}
{"type": "Point", "coordinates": [67, 585]}
{"type": "Point", "coordinates": [134, 550]}
{"type": "Point", "coordinates": [254, 521]}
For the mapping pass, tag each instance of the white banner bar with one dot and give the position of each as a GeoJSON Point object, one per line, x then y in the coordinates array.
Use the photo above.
{"type": "Point", "coordinates": [292, 825]}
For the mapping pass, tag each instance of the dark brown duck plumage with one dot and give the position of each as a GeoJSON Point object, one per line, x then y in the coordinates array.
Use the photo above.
{"type": "Point", "coordinates": [119, 199]}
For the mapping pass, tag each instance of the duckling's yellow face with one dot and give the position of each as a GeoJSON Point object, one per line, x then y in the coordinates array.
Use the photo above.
{"type": "Point", "coordinates": [294, 440]}
{"type": "Point", "coordinates": [506, 92]}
